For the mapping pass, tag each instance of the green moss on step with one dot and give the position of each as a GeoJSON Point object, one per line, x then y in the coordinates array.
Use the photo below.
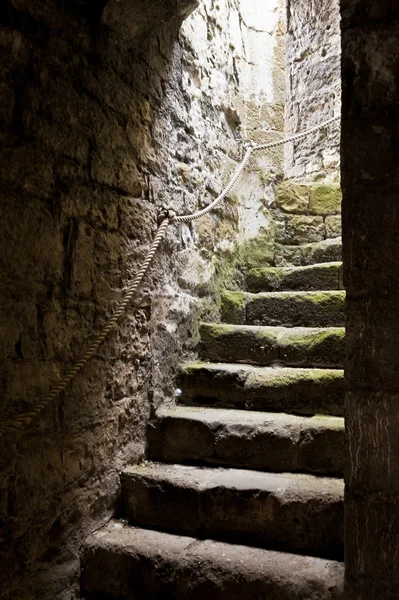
{"type": "Point", "coordinates": [311, 339]}
{"type": "Point", "coordinates": [233, 307]}
{"type": "Point", "coordinates": [190, 368]}
{"type": "Point", "coordinates": [325, 199]}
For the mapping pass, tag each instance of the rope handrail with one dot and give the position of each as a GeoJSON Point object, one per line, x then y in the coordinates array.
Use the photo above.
{"type": "Point", "coordinates": [166, 217]}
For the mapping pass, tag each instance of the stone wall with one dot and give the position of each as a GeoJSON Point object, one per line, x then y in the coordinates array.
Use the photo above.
{"type": "Point", "coordinates": [105, 116]}
{"type": "Point", "coordinates": [370, 185]}
{"type": "Point", "coordinates": [313, 82]}
{"type": "Point", "coordinates": [233, 85]}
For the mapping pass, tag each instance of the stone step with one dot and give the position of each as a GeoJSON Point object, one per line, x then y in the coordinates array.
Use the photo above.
{"type": "Point", "coordinates": [324, 276]}
{"type": "Point", "coordinates": [274, 442]}
{"type": "Point", "coordinates": [288, 390]}
{"type": "Point", "coordinates": [126, 563]}
{"type": "Point", "coordinates": [289, 309]}
{"type": "Point", "coordinates": [260, 345]}
{"type": "Point", "coordinates": [326, 251]}
{"type": "Point", "coordinates": [288, 512]}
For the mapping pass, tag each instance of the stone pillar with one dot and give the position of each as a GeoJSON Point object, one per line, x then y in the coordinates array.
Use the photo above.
{"type": "Point", "coordinates": [370, 182]}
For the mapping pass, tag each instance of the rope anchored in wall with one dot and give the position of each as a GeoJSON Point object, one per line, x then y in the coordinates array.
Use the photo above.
{"type": "Point", "coordinates": [166, 217]}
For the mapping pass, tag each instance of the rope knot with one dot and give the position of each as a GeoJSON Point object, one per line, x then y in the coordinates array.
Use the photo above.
{"type": "Point", "coordinates": [166, 213]}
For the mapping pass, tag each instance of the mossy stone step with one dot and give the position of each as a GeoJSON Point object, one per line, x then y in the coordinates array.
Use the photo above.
{"type": "Point", "coordinates": [261, 345]}
{"type": "Point", "coordinates": [326, 251]}
{"type": "Point", "coordinates": [129, 563]}
{"type": "Point", "coordinates": [324, 276]}
{"type": "Point", "coordinates": [289, 390]}
{"type": "Point", "coordinates": [287, 512]}
{"type": "Point", "coordinates": [289, 309]}
{"type": "Point", "coordinates": [274, 442]}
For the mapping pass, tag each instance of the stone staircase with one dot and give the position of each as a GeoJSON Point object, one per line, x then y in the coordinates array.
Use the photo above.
{"type": "Point", "coordinates": [244, 499]}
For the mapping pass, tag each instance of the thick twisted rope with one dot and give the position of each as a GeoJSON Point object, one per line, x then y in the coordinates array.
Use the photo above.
{"type": "Point", "coordinates": [24, 419]}
{"type": "Point", "coordinates": [239, 171]}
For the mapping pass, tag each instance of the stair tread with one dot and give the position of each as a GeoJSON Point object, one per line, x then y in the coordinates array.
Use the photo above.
{"type": "Point", "coordinates": [268, 344]}
{"type": "Point", "coordinates": [320, 276]}
{"type": "Point", "coordinates": [285, 308]}
{"type": "Point", "coordinates": [270, 373]}
{"type": "Point", "coordinates": [198, 569]}
{"type": "Point", "coordinates": [291, 293]}
{"type": "Point", "coordinates": [275, 329]}
{"type": "Point", "coordinates": [250, 418]}
{"type": "Point", "coordinates": [302, 486]}
{"type": "Point", "coordinates": [289, 268]}
{"type": "Point", "coordinates": [274, 442]}
{"type": "Point", "coordinates": [306, 391]}
{"type": "Point", "coordinates": [270, 510]}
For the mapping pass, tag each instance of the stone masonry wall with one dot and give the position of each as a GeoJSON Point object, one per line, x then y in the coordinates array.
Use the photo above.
{"type": "Point", "coordinates": [233, 85]}
{"type": "Point", "coordinates": [370, 143]}
{"type": "Point", "coordinates": [107, 114]}
{"type": "Point", "coordinates": [313, 82]}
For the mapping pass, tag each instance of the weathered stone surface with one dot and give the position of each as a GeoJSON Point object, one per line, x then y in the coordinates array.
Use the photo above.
{"type": "Point", "coordinates": [333, 226]}
{"type": "Point", "coordinates": [297, 346]}
{"type": "Point", "coordinates": [264, 509]}
{"type": "Point", "coordinates": [313, 347]}
{"type": "Point", "coordinates": [233, 306]}
{"type": "Point", "coordinates": [324, 276]}
{"type": "Point", "coordinates": [301, 391]}
{"type": "Point", "coordinates": [293, 309]}
{"type": "Point", "coordinates": [370, 236]}
{"type": "Point", "coordinates": [325, 199]}
{"type": "Point", "coordinates": [150, 563]}
{"type": "Point", "coordinates": [95, 138]}
{"type": "Point", "coordinates": [240, 343]}
{"type": "Point", "coordinates": [313, 81]}
{"type": "Point", "coordinates": [292, 197]}
{"type": "Point", "coordinates": [329, 250]}
{"type": "Point", "coordinates": [300, 229]}
{"type": "Point", "coordinates": [252, 440]}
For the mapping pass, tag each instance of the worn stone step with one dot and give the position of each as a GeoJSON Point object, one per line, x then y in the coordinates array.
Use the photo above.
{"type": "Point", "coordinates": [126, 563]}
{"type": "Point", "coordinates": [287, 512]}
{"type": "Point", "coordinates": [262, 345]}
{"type": "Point", "coordinates": [290, 309]}
{"type": "Point", "coordinates": [324, 276]}
{"type": "Point", "coordinates": [274, 442]}
{"type": "Point", "coordinates": [329, 250]}
{"type": "Point", "coordinates": [289, 390]}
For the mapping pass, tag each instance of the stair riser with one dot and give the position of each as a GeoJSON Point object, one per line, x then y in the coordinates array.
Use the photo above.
{"type": "Point", "coordinates": [310, 254]}
{"type": "Point", "coordinates": [264, 347]}
{"type": "Point", "coordinates": [305, 449]}
{"type": "Point", "coordinates": [236, 390]}
{"type": "Point", "coordinates": [318, 277]}
{"type": "Point", "coordinates": [250, 516]}
{"type": "Point", "coordinates": [312, 309]}
{"type": "Point", "coordinates": [137, 567]}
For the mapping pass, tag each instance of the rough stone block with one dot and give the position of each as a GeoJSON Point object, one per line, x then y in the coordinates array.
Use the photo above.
{"type": "Point", "coordinates": [289, 390]}
{"type": "Point", "coordinates": [295, 309]}
{"type": "Point", "coordinates": [125, 563]}
{"type": "Point", "coordinates": [325, 199]}
{"type": "Point", "coordinates": [333, 226]}
{"type": "Point", "coordinates": [233, 306]}
{"type": "Point", "coordinates": [295, 346]}
{"type": "Point", "coordinates": [300, 229]}
{"type": "Point", "coordinates": [271, 442]}
{"type": "Point", "coordinates": [309, 254]}
{"type": "Point", "coordinates": [263, 509]}
{"type": "Point", "coordinates": [292, 198]}
{"type": "Point", "coordinates": [324, 276]}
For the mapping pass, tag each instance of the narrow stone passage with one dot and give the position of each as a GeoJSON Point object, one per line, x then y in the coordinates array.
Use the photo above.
{"type": "Point", "coordinates": [250, 463]}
